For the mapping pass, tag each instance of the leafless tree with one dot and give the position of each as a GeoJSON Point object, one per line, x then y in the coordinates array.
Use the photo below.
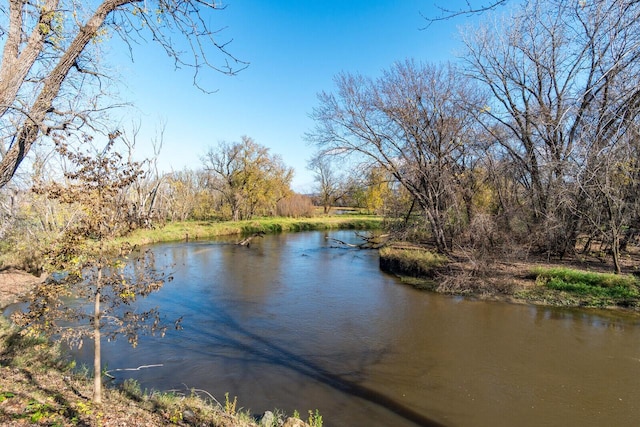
{"type": "Point", "coordinates": [50, 78]}
{"type": "Point", "coordinates": [413, 122]}
{"type": "Point", "coordinates": [331, 186]}
{"type": "Point", "coordinates": [550, 66]}
{"type": "Point", "coordinates": [610, 184]}
{"type": "Point", "coordinates": [468, 9]}
{"type": "Point", "coordinates": [145, 190]}
{"type": "Point", "coordinates": [607, 169]}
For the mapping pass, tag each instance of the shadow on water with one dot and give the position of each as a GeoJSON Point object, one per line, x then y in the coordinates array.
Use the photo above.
{"type": "Point", "coordinates": [262, 350]}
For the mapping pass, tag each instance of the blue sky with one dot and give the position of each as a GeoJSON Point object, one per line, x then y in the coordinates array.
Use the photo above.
{"type": "Point", "coordinates": [295, 48]}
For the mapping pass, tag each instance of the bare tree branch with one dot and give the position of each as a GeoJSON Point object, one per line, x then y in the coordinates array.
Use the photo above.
{"type": "Point", "coordinates": [50, 57]}
{"type": "Point", "coordinates": [470, 9]}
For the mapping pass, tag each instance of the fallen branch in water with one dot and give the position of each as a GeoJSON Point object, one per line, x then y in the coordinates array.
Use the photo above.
{"type": "Point", "coordinates": [106, 373]}
{"type": "Point", "coordinates": [370, 242]}
{"type": "Point", "coordinates": [247, 240]}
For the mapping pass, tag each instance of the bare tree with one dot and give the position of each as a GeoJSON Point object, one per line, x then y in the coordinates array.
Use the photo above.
{"type": "Point", "coordinates": [550, 67]}
{"type": "Point", "coordinates": [468, 9]}
{"type": "Point", "coordinates": [610, 184]}
{"type": "Point", "coordinates": [607, 168]}
{"type": "Point", "coordinates": [49, 60]}
{"type": "Point", "coordinates": [413, 122]}
{"type": "Point", "coordinates": [145, 190]}
{"type": "Point", "coordinates": [331, 186]}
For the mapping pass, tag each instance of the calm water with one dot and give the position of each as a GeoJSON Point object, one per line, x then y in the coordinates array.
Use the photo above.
{"type": "Point", "coordinates": [293, 323]}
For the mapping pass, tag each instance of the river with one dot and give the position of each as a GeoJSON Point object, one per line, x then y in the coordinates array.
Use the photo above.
{"type": "Point", "coordinates": [295, 323]}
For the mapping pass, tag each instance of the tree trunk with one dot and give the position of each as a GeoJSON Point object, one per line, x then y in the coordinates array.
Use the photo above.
{"type": "Point", "coordinates": [97, 368]}
{"type": "Point", "coordinates": [34, 124]}
{"type": "Point", "coordinates": [615, 251]}
{"type": "Point", "coordinates": [437, 229]}
{"type": "Point", "coordinates": [17, 63]}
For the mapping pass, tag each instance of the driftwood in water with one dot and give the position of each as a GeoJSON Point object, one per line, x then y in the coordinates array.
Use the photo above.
{"type": "Point", "coordinates": [247, 240]}
{"type": "Point", "coordinates": [370, 242]}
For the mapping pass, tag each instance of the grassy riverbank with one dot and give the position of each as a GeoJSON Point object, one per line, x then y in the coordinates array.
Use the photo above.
{"type": "Point", "coordinates": [571, 287]}
{"type": "Point", "coordinates": [195, 230]}
{"type": "Point", "coordinates": [534, 282]}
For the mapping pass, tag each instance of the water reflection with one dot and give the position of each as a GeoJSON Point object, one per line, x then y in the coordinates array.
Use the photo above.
{"type": "Point", "coordinates": [294, 323]}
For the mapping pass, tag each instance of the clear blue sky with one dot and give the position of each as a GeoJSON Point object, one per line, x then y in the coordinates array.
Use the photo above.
{"type": "Point", "coordinates": [295, 48]}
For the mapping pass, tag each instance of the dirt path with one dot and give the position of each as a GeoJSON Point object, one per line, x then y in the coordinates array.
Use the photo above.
{"type": "Point", "coordinates": [14, 284]}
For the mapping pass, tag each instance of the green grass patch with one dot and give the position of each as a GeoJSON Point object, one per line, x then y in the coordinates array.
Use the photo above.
{"type": "Point", "coordinates": [175, 231]}
{"type": "Point", "coordinates": [587, 283]}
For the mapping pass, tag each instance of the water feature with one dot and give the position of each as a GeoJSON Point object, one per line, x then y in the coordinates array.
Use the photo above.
{"type": "Point", "coordinates": [294, 323]}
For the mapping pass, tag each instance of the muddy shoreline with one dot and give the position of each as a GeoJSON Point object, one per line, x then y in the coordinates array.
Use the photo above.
{"type": "Point", "coordinates": [15, 284]}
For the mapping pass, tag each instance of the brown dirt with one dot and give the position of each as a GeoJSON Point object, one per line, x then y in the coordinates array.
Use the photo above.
{"type": "Point", "coordinates": [15, 284]}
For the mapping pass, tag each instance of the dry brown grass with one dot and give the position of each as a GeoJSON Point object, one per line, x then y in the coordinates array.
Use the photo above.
{"type": "Point", "coordinates": [15, 284]}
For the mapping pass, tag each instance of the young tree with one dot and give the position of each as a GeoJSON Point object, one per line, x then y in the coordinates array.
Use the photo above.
{"type": "Point", "coordinates": [331, 186]}
{"type": "Point", "coordinates": [49, 60]}
{"type": "Point", "coordinates": [609, 183]}
{"type": "Point", "coordinates": [86, 265]}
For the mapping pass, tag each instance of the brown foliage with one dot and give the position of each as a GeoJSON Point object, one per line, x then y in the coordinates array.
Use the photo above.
{"type": "Point", "coordinates": [295, 206]}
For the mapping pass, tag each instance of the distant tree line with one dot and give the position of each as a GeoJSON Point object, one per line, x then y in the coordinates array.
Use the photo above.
{"type": "Point", "coordinates": [236, 181]}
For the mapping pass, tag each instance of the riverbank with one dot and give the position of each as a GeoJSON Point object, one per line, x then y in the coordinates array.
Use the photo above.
{"type": "Point", "coordinates": [578, 281]}
{"type": "Point", "coordinates": [200, 230]}
{"type": "Point", "coordinates": [38, 387]}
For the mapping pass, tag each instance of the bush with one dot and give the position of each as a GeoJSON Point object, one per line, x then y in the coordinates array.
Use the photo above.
{"type": "Point", "coordinates": [295, 206]}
